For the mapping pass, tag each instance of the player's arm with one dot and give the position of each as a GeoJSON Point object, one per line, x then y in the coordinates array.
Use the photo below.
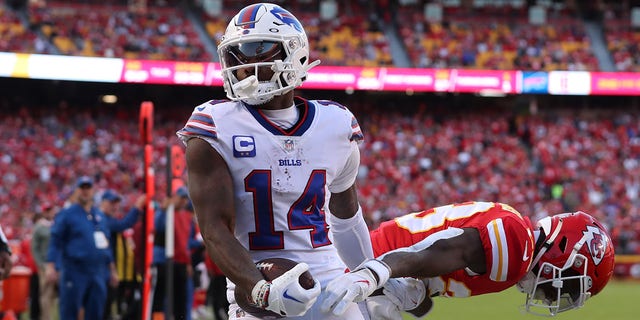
{"type": "Point", "coordinates": [441, 257]}
{"type": "Point", "coordinates": [438, 254]}
{"type": "Point", "coordinates": [211, 191]}
{"type": "Point", "coordinates": [350, 231]}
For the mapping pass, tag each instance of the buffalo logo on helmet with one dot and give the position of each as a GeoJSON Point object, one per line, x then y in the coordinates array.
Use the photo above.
{"type": "Point", "coordinates": [286, 18]}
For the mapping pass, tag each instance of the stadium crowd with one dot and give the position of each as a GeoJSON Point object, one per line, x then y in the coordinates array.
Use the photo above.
{"type": "Point", "coordinates": [560, 159]}
{"type": "Point", "coordinates": [418, 152]}
{"type": "Point", "coordinates": [477, 34]}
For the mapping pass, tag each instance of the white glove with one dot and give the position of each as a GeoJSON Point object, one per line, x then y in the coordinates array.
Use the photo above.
{"type": "Point", "coordinates": [354, 286]}
{"type": "Point", "coordinates": [382, 308]}
{"type": "Point", "coordinates": [284, 295]}
{"type": "Point", "coordinates": [406, 293]}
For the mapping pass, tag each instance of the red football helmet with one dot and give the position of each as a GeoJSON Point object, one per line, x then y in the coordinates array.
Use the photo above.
{"type": "Point", "coordinates": [574, 263]}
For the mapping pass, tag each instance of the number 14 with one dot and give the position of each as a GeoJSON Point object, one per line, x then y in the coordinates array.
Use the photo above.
{"type": "Point", "coordinates": [305, 213]}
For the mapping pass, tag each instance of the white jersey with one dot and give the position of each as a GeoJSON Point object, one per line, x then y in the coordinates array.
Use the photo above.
{"type": "Point", "coordinates": [282, 177]}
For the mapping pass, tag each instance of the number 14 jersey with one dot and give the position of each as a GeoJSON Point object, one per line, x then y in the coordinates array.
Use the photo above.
{"type": "Point", "coordinates": [282, 178]}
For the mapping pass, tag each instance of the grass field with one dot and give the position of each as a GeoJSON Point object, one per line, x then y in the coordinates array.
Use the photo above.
{"type": "Point", "coordinates": [618, 301]}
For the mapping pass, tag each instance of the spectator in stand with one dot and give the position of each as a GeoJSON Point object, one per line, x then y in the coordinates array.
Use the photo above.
{"type": "Point", "coordinates": [120, 289]}
{"type": "Point", "coordinates": [79, 252]}
{"type": "Point", "coordinates": [39, 247]}
{"type": "Point", "coordinates": [183, 228]}
{"type": "Point", "coordinates": [5, 256]}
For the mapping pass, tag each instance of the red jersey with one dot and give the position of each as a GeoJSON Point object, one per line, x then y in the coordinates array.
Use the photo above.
{"type": "Point", "coordinates": [507, 239]}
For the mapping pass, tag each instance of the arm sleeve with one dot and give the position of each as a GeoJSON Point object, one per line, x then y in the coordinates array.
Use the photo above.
{"type": "Point", "coordinates": [119, 225]}
{"type": "Point", "coordinates": [351, 238]}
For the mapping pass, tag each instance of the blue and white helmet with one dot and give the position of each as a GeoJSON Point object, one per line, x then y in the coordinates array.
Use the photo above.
{"type": "Point", "coordinates": [264, 35]}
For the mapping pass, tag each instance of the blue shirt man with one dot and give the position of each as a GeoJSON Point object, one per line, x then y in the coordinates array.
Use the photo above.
{"type": "Point", "coordinates": [79, 251]}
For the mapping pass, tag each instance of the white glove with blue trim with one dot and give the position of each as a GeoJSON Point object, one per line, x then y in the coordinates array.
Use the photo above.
{"type": "Point", "coordinates": [284, 295]}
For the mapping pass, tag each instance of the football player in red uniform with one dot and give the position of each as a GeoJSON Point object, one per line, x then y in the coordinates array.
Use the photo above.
{"type": "Point", "coordinates": [473, 248]}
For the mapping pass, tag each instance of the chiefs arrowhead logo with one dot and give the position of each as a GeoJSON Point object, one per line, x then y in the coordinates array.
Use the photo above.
{"type": "Point", "coordinates": [596, 243]}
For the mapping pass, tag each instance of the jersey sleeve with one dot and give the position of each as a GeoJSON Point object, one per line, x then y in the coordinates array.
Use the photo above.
{"type": "Point", "coordinates": [201, 124]}
{"type": "Point", "coordinates": [347, 123]}
{"type": "Point", "coordinates": [508, 244]}
{"type": "Point", "coordinates": [347, 177]}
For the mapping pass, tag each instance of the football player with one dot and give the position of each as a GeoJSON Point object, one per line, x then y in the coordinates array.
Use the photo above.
{"type": "Point", "coordinates": [269, 172]}
{"type": "Point", "coordinates": [473, 248]}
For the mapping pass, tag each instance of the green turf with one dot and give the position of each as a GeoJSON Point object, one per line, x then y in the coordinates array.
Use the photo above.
{"type": "Point", "coordinates": [618, 301]}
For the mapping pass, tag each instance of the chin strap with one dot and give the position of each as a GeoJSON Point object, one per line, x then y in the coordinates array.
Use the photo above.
{"type": "Point", "coordinates": [547, 244]}
{"type": "Point", "coordinates": [527, 282]}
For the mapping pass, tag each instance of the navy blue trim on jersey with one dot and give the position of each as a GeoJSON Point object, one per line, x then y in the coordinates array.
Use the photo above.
{"type": "Point", "coordinates": [307, 114]}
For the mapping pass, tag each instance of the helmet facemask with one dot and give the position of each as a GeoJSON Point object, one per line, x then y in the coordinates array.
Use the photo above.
{"type": "Point", "coordinates": [264, 56]}
{"type": "Point", "coordinates": [574, 261]}
{"type": "Point", "coordinates": [556, 290]}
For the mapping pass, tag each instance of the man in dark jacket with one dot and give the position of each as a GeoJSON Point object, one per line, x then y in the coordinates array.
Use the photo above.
{"type": "Point", "coordinates": [79, 251]}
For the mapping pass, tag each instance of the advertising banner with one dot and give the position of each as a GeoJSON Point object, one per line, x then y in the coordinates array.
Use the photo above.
{"type": "Point", "coordinates": [569, 82]}
{"type": "Point", "coordinates": [615, 83]}
{"type": "Point", "coordinates": [536, 82]}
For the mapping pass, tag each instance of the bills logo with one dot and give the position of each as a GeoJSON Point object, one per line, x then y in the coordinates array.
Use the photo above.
{"type": "Point", "coordinates": [286, 18]}
{"type": "Point", "coordinates": [596, 243]}
{"type": "Point", "coordinates": [244, 146]}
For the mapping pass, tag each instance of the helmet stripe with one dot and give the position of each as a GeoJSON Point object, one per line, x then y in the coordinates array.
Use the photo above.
{"type": "Point", "coordinates": [247, 16]}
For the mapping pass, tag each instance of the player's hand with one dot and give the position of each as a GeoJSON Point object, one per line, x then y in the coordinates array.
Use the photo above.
{"type": "Point", "coordinates": [354, 286]}
{"type": "Point", "coordinates": [380, 307]}
{"type": "Point", "coordinates": [284, 295]}
{"type": "Point", "coordinates": [406, 293]}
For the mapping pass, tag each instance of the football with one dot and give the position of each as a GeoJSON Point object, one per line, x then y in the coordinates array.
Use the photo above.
{"type": "Point", "coordinates": [270, 268]}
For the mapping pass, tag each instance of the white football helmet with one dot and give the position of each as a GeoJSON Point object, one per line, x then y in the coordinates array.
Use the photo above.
{"type": "Point", "coordinates": [269, 47]}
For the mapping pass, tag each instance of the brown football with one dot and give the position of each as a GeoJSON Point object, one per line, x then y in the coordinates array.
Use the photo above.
{"type": "Point", "coordinates": [270, 268]}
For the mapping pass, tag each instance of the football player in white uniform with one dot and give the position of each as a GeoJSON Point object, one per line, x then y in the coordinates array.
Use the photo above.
{"type": "Point", "coordinates": [273, 175]}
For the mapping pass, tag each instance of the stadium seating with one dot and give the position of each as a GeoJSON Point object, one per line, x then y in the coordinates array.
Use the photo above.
{"type": "Point", "coordinates": [156, 33]}
{"type": "Point", "coordinates": [350, 39]}
{"type": "Point", "coordinates": [555, 161]}
{"type": "Point", "coordinates": [558, 160]}
{"type": "Point", "coordinates": [495, 37]}
{"type": "Point", "coordinates": [487, 36]}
